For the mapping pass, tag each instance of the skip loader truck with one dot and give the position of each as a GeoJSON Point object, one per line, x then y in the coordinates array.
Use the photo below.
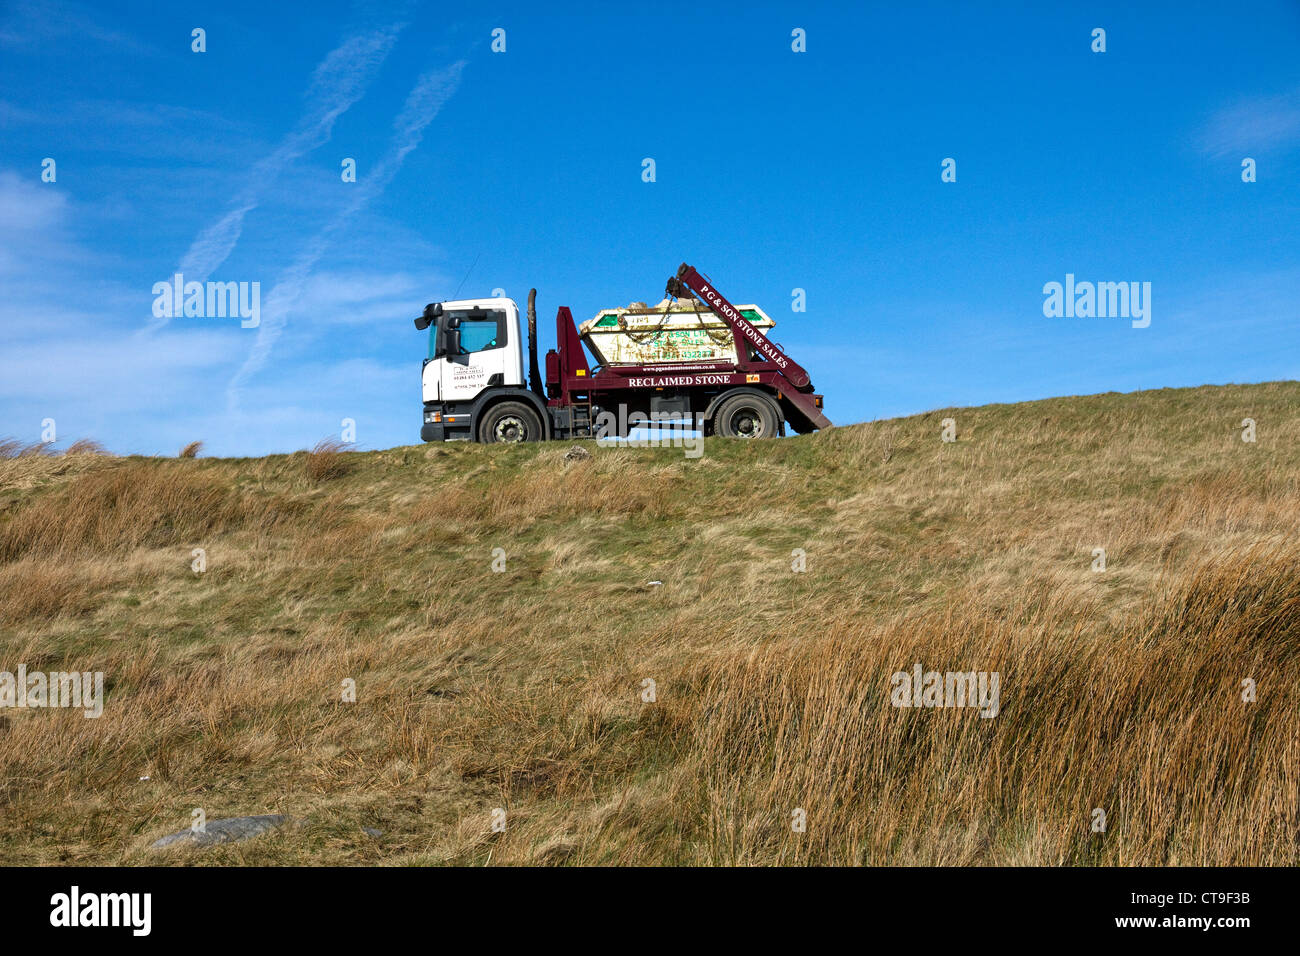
{"type": "Point", "coordinates": [695, 356]}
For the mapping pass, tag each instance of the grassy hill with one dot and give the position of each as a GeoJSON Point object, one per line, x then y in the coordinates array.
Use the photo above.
{"type": "Point", "coordinates": [523, 689]}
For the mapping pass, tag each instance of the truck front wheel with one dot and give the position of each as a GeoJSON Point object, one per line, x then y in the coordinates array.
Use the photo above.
{"type": "Point", "coordinates": [510, 422]}
{"type": "Point", "coordinates": [747, 415]}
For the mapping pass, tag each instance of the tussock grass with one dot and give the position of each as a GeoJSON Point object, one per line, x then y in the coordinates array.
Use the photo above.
{"type": "Point", "coordinates": [521, 687]}
{"type": "Point", "coordinates": [12, 448]}
{"type": "Point", "coordinates": [1146, 723]}
{"type": "Point", "coordinates": [87, 446]}
{"type": "Point", "coordinates": [326, 460]}
{"type": "Point", "coordinates": [191, 450]}
{"type": "Point", "coordinates": [134, 505]}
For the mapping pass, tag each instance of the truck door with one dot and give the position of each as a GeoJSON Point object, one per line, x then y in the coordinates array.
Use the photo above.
{"type": "Point", "coordinates": [469, 352]}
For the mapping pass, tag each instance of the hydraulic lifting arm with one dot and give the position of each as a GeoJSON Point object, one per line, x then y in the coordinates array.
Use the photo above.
{"type": "Point", "coordinates": [689, 283]}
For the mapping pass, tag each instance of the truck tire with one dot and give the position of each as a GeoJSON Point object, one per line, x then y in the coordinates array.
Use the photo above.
{"type": "Point", "coordinates": [747, 415]}
{"type": "Point", "coordinates": [509, 423]}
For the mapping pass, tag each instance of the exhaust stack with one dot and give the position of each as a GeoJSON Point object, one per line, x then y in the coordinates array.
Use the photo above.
{"type": "Point", "coordinates": [534, 375]}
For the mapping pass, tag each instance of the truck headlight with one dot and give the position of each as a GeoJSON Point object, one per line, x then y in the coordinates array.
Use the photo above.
{"type": "Point", "coordinates": [432, 418]}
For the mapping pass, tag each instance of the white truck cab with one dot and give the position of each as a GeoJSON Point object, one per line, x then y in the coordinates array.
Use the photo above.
{"type": "Point", "coordinates": [476, 359]}
{"type": "Point", "coordinates": [473, 344]}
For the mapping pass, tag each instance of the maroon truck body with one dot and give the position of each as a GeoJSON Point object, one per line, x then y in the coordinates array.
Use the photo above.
{"type": "Point", "coordinates": [695, 387]}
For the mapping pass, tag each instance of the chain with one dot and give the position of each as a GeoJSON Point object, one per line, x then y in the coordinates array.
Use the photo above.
{"type": "Point", "coordinates": [723, 337]}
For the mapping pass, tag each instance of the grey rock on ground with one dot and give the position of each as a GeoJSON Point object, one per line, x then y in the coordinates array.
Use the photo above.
{"type": "Point", "coordinates": [577, 453]}
{"type": "Point", "coordinates": [230, 830]}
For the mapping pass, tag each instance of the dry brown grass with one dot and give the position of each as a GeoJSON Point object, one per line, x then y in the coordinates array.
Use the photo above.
{"type": "Point", "coordinates": [1147, 723]}
{"type": "Point", "coordinates": [12, 448]}
{"type": "Point", "coordinates": [326, 460]}
{"type": "Point", "coordinates": [191, 450]}
{"type": "Point", "coordinates": [134, 505]}
{"type": "Point", "coordinates": [522, 688]}
{"type": "Point", "coordinates": [87, 446]}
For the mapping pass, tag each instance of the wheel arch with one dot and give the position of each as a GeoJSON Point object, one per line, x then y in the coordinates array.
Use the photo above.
{"type": "Point", "coordinates": [769, 394]}
{"type": "Point", "coordinates": [484, 403]}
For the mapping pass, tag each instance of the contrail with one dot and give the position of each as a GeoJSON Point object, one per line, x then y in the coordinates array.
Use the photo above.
{"type": "Point", "coordinates": [425, 100]}
{"type": "Point", "coordinates": [337, 82]}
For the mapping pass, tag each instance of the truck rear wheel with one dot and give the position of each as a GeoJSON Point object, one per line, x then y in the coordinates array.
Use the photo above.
{"type": "Point", "coordinates": [748, 415]}
{"type": "Point", "coordinates": [508, 423]}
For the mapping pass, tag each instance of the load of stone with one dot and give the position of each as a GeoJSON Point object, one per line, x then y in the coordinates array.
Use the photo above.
{"type": "Point", "coordinates": [665, 333]}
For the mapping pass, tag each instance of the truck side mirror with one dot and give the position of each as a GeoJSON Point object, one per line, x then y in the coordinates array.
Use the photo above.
{"type": "Point", "coordinates": [431, 313]}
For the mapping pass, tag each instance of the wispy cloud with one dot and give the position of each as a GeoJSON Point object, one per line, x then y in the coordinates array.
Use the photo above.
{"type": "Point", "coordinates": [33, 24]}
{"type": "Point", "coordinates": [11, 114]}
{"type": "Point", "coordinates": [32, 219]}
{"type": "Point", "coordinates": [67, 352]}
{"type": "Point", "coordinates": [423, 103]}
{"type": "Point", "coordinates": [1254, 125]}
{"type": "Point", "coordinates": [26, 207]}
{"type": "Point", "coordinates": [337, 82]}
{"type": "Point", "coordinates": [357, 297]}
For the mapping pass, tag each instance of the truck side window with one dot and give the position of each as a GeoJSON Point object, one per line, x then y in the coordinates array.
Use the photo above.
{"type": "Point", "coordinates": [479, 335]}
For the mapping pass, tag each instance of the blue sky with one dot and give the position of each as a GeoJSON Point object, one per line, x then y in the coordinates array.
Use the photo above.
{"type": "Point", "coordinates": [775, 170]}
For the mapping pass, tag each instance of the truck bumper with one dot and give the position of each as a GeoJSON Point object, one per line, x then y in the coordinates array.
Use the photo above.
{"type": "Point", "coordinates": [433, 432]}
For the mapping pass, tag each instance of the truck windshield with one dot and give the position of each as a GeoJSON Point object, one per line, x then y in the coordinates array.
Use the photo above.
{"type": "Point", "coordinates": [480, 330]}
